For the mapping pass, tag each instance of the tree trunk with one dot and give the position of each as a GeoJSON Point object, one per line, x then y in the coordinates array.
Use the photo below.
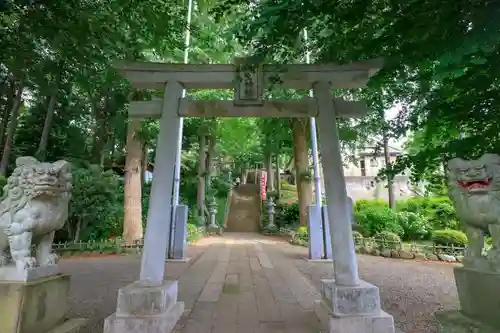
{"type": "Point", "coordinates": [390, 185]}
{"type": "Point", "coordinates": [303, 174]}
{"type": "Point", "coordinates": [289, 164]}
{"type": "Point", "coordinates": [78, 230]}
{"type": "Point", "coordinates": [132, 223]}
{"type": "Point", "coordinates": [200, 197]}
{"type": "Point", "coordinates": [7, 149]}
{"type": "Point", "coordinates": [7, 109]}
{"type": "Point", "coordinates": [44, 139]}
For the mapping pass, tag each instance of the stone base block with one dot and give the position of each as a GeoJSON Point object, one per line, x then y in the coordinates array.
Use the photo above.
{"type": "Point", "coordinates": [11, 273]}
{"type": "Point", "coordinates": [161, 323]}
{"type": "Point", "coordinates": [138, 299]}
{"type": "Point", "coordinates": [352, 309]}
{"type": "Point", "coordinates": [380, 322]}
{"type": "Point", "coordinates": [319, 260]}
{"type": "Point", "coordinates": [215, 230]}
{"type": "Point", "coordinates": [146, 309]}
{"type": "Point", "coordinates": [363, 299]}
{"type": "Point", "coordinates": [479, 293]}
{"type": "Point", "coordinates": [185, 260]}
{"type": "Point", "coordinates": [34, 306]}
{"type": "Point", "coordinates": [457, 322]}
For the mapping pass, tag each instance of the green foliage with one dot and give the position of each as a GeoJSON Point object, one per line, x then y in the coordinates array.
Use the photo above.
{"type": "Point", "coordinates": [388, 240]}
{"type": "Point", "coordinates": [438, 211]}
{"type": "Point", "coordinates": [96, 208]}
{"type": "Point", "coordinates": [415, 226]}
{"type": "Point", "coordinates": [358, 237]}
{"type": "Point", "coordinates": [3, 182]}
{"type": "Point", "coordinates": [440, 64]}
{"type": "Point", "coordinates": [449, 237]}
{"type": "Point", "coordinates": [146, 191]}
{"type": "Point", "coordinates": [195, 218]}
{"type": "Point", "coordinates": [300, 236]}
{"type": "Point", "coordinates": [414, 219]}
{"type": "Point", "coordinates": [194, 233]}
{"type": "Point", "coordinates": [363, 204]}
{"type": "Point", "coordinates": [272, 194]}
{"type": "Point", "coordinates": [302, 233]}
{"type": "Point", "coordinates": [286, 186]}
{"type": "Point", "coordinates": [373, 219]}
{"type": "Point", "coordinates": [287, 214]}
{"type": "Point", "coordinates": [221, 187]}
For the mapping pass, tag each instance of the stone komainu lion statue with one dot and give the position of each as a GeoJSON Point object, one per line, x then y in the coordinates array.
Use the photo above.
{"type": "Point", "coordinates": [475, 191]}
{"type": "Point", "coordinates": [34, 206]}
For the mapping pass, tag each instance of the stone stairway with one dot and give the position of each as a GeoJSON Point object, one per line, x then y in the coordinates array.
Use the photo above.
{"type": "Point", "coordinates": [244, 209]}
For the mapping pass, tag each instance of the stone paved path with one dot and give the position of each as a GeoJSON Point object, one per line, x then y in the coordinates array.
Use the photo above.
{"type": "Point", "coordinates": [248, 290]}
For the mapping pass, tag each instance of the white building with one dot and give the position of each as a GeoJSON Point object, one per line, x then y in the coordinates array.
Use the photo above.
{"type": "Point", "coordinates": [361, 182]}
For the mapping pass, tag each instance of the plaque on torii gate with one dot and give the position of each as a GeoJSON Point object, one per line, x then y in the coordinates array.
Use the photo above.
{"type": "Point", "coordinates": [249, 83]}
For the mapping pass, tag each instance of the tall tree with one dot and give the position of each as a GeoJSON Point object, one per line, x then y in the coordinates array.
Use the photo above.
{"type": "Point", "coordinates": [132, 222]}
{"type": "Point", "coordinates": [302, 167]}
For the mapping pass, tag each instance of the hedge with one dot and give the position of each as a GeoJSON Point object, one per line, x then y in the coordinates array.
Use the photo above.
{"type": "Point", "coordinates": [449, 237]}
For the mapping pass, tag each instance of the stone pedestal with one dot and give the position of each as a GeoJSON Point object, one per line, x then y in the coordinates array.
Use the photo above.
{"type": "Point", "coordinates": [11, 273]}
{"type": "Point", "coordinates": [36, 306]}
{"type": "Point", "coordinates": [179, 233]}
{"type": "Point", "coordinates": [143, 308]}
{"type": "Point", "coordinates": [478, 293]}
{"type": "Point", "coordinates": [215, 230]}
{"type": "Point", "coordinates": [352, 309]}
{"type": "Point", "coordinates": [317, 235]}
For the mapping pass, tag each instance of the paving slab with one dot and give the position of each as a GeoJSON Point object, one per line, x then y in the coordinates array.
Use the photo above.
{"type": "Point", "coordinates": [248, 291]}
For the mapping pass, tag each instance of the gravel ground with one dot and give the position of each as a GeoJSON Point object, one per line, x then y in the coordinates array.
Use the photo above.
{"type": "Point", "coordinates": [410, 290]}
{"type": "Point", "coordinates": [95, 283]}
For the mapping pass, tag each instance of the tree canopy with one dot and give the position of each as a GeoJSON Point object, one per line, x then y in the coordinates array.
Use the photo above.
{"type": "Point", "coordinates": [440, 62]}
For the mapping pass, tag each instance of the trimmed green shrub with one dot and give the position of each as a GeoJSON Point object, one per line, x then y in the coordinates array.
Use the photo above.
{"type": "Point", "coordinates": [438, 211]}
{"type": "Point", "coordinates": [449, 237]}
{"type": "Point", "coordinates": [375, 219]}
{"type": "Point", "coordinates": [362, 204]}
{"type": "Point", "coordinates": [388, 240]}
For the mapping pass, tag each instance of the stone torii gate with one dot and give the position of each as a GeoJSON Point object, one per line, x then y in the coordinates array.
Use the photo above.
{"type": "Point", "coordinates": [348, 304]}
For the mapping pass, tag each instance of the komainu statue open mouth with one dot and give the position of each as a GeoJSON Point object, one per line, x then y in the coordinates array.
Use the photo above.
{"type": "Point", "coordinates": [474, 188]}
